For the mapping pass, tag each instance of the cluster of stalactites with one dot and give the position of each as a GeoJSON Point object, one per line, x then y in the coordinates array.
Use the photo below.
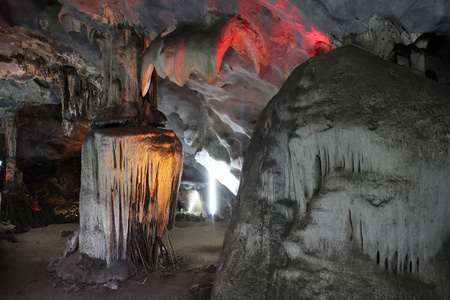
{"type": "Point", "coordinates": [200, 47]}
{"type": "Point", "coordinates": [129, 191]}
{"type": "Point", "coordinates": [367, 189]}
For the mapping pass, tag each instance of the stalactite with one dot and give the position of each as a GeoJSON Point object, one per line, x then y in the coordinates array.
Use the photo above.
{"type": "Point", "coordinates": [375, 184]}
{"type": "Point", "coordinates": [130, 180]}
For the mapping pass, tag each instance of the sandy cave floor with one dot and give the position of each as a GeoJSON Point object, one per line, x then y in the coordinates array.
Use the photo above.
{"type": "Point", "coordinates": [24, 275]}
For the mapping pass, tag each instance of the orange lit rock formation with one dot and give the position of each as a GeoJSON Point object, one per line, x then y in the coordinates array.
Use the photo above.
{"type": "Point", "coordinates": [130, 179]}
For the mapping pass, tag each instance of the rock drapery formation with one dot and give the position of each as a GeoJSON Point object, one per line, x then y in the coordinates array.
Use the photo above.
{"type": "Point", "coordinates": [201, 47]}
{"type": "Point", "coordinates": [130, 180]}
{"type": "Point", "coordinates": [77, 46]}
{"type": "Point", "coordinates": [345, 190]}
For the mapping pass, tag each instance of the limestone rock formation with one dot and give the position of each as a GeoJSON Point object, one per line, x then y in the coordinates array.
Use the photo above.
{"type": "Point", "coordinates": [129, 189]}
{"type": "Point", "coordinates": [345, 189]}
{"type": "Point", "coordinates": [201, 47]}
{"type": "Point", "coordinates": [245, 50]}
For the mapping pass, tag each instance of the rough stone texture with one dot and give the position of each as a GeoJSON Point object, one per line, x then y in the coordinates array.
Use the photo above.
{"type": "Point", "coordinates": [92, 51]}
{"type": "Point", "coordinates": [14, 95]}
{"type": "Point", "coordinates": [120, 270]}
{"type": "Point", "coordinates": [201, 47]}
{"type": "Point", "coordinates": [41, 137]}
{"type": "Point", "coordinates": [79, 268]}
{"type": "Point", "coordinates": [344, 191]}
{"type": "Point", "coordinates": [129, 189]}
{"type": "Point", "coordinates": [10, 127]}
{"type": "Point", "coordinates": [50, 161]}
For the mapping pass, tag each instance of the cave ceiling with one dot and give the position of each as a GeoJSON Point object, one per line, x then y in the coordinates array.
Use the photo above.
{"type": "Point", "coordinates": [219, 62]}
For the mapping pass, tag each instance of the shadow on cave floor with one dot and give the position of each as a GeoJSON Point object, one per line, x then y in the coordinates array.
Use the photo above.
{"type": "Point", "coordinates": [24, 275]}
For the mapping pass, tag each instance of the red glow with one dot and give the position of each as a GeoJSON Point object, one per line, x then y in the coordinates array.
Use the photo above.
{"type": "Point", "coordinates": [321, 48]}
{"type": "Point", "coordinates": [34, 203]}
{"type": "Point", "coordinates": [269, 34]}
{"type": "Point", "coordinates": [290, 40]}
{"type": "Point", "coordinates": [245, 39]}
{"type": "Point", "coordinates": [179, 54]}
{"type": "Point", "coordinates": [35, 206]}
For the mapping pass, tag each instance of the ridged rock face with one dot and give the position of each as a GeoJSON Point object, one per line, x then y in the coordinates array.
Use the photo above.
{"type": "Point", "coordinates": [129, 190]}
{"type": "Point", "coordinates": [234, 55]}
{"type": "Point", "coordinates": [345, 189]}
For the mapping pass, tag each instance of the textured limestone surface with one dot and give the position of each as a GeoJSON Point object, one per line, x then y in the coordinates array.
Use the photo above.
{"type": "Point", "coordinates": [345, 191]}
{"type": "Point", "coordinates": [129, 188]}
{"type": "Point", "coordinates": [234, 55]}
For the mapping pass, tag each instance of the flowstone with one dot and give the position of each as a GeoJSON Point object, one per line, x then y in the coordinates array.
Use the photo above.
{"type": "Point", "coordinates": [345, 189]}
{"type": "Point", "coordinates": [129, 188]}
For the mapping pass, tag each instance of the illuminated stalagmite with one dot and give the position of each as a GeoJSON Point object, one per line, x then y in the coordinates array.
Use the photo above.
{"type": "Point", "coordinates": [345, 188]}
{"type": "Point", "coordinates": [129, 189]}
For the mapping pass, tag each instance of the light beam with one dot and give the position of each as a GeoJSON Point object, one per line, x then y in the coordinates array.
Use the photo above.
{"type": "Point", "coordinates": [194, 200]}
{"type": "Point", "coordinates": [212, 199]}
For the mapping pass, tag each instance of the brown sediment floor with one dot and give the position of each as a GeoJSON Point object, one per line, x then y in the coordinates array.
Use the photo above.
{"type": "Point", "coordinates": [24, 275]}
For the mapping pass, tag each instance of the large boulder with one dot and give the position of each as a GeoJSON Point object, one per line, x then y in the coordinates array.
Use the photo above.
{"type": "Point", "coordinates": [345, 187]}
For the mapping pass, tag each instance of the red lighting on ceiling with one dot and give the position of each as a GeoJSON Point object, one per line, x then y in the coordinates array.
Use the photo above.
{"type": "Point", "coordinates": [267, 33]}
{"type": "Point", "coordinates": [285, 24]}
{"type": "Point", "coordinates": [244, 38]}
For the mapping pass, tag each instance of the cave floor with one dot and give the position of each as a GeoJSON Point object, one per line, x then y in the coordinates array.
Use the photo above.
{"type": "Point", "coordinates": [24, 275]}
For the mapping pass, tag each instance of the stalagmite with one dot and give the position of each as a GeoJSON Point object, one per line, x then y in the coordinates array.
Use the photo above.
{"type": "Point", "coordinates": [10, 127]}
{"type": "Point", "coordinates": [129, 189]}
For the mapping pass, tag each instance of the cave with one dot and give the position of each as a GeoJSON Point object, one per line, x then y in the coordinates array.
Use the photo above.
{"type": "Point", "coordinates": [243, 149]}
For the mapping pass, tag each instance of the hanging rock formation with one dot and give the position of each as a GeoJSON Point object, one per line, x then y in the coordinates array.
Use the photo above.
{"type": "Point", "coordinates": [129, 189]}
{"type": "Point", "coordinates": [345, 189]}
{"type": "Point", "coordinates": [201, 47]}
{"type": "Point", "coordinates": [90, 50]}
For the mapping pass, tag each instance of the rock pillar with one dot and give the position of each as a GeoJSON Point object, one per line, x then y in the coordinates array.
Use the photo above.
{"type": "Point", "coordinates": [129, 188]}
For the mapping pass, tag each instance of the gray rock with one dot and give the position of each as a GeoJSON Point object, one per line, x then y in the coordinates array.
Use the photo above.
{"type": "Point", "coordinates": [72, 244]}
{"type": "Point", "coordinates": [112, 285]}
{"type": "Point", "coordinates": [85, 262]}
{"type": "Point", "coordinates": [119, 270]}
{"type": "Point", "coordinates": [331, 207]}
{"type": "Point", "coordinates": [194, 288]}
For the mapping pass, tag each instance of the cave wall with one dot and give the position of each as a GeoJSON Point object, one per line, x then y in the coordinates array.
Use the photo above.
{"type": "Point", "coordinates": [231, 56]}
{"type": "Point", "coordinates": [91, 52]}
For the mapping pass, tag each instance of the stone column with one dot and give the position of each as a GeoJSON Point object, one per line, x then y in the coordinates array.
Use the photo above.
{"type": "Point", "coordinates": [10, 126]}
{"type": "Point", "coordinates": [129, 189]}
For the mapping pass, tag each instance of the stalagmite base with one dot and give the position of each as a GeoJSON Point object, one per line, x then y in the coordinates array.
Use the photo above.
{"type": "Point", "coordinates": [129, 189]}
